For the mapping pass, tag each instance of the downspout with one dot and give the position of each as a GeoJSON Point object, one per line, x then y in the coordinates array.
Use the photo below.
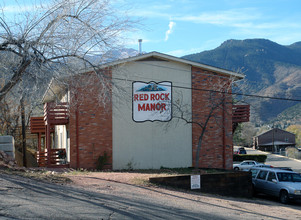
{"type": "Point", "coordinates": [77, 135]}
{"type": "Point", "coordinates": [224, 134]}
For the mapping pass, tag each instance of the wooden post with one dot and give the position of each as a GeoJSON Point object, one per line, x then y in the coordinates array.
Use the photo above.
{"type": "Point", "coordinates": [23, 131]}
{"type": "Point", "coordinates": [39, 141]}
{"type": "Point", "coordinates": [48, 144]}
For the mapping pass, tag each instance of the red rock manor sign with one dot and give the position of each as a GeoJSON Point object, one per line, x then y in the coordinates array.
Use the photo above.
{"type": "Point", "coordinates": [152, 101]}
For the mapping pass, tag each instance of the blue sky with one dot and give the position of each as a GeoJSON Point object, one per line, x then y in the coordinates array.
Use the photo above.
{"type": "Point", "coordinates": [181, 27]}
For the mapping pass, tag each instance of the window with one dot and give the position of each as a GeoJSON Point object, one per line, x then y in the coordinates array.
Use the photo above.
{"type": "Point", "coordinates": [289, 177]}
{"type": "Point", "coordinates": [262, 175]}
{"type": "Point", "coordinates": [271, 176]}
{"type": "Point", "coordinates": [296, 177]}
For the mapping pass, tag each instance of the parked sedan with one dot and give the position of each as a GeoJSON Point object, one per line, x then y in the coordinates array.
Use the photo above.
{"type": "Point", "coordinates": [276, 182]}
{"type": "Point", "coordinates": [245, 165]}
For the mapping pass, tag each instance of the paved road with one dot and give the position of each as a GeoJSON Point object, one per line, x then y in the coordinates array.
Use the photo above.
{"type": "Point", "coordinates": [277, 160]}
{"type": "Point", "coordinates": [22, 198]}
{"type": "Point", "coordinates": [281, 161]}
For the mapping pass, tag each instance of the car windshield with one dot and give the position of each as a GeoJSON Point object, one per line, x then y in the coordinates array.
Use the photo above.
{"type": "Point", "coordinates": [289, 177]}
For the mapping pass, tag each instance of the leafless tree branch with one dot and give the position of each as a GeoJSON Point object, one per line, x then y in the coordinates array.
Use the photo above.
{"type": "Point", "coordinates": [61, 33]}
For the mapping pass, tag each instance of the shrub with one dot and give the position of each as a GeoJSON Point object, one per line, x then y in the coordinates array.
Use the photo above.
{"type": "Point", "coordinates": [293, 152]}
{"type": "Point", "coordinates": [102, 160]}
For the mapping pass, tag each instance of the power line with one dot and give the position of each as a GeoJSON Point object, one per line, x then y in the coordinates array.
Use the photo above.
{"type": "Point", "coordinates": [231, 93]}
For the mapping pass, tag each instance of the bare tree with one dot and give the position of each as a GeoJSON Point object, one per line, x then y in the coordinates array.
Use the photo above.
{"type": "Point", "coordinates": [244, 134]}
{"type": "Point", "coordinates": [58, 38]}
{"type": "Point", "coordinates": [53, 40]}
{"type": "Point", "coordinates": [218, 99]}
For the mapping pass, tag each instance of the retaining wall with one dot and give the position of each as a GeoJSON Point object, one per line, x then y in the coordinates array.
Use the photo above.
{"type": "Point", "coordinates": [236, 184]}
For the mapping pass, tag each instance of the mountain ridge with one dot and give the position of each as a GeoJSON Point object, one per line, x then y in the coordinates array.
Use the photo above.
{"type": "Point", "coordinates": [271, 69]}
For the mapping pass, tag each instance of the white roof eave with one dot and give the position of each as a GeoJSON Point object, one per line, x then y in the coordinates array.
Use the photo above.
{"type": "Point", "coordinates": [175, 59]}
{"type": "Point", "coordinates": [52, 90]}
{"type": "Point", "coordinates": [238, 76]}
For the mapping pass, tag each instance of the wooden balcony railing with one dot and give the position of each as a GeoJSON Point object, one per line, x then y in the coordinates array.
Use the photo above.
{"type": "Point", "coordinates": [57, 158]}
{"type": "Point", "coordinates": [42, 158]}
{"type": "Point", "coordinates": [37, 125]}
{"type": "Point", "coordinates": [240, 113]}
{"type": "Point", "coordinates": [56, 114]}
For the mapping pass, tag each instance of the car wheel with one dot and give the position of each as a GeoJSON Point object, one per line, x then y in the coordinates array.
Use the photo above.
{"type": "Point", "coordinates": [236, 168]}
{"type": "Point", "coordinates": [283, 196]}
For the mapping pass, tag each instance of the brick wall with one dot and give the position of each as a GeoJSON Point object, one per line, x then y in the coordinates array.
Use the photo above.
{"type": "Point", "coordinates": [216, 149]}
{"type": "Point", "coordinates": [90, 123]}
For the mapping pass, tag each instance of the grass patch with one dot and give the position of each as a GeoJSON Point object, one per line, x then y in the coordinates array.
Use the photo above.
{"type": "Point", "coordinates": [78, 172]}
{"type": "Point", "coordinates": [48, 177]}
{"type": "Point", "coordinates": [144, 181]}
{"type": "Point", "coordinates": [140, 181]}
{"type": "Point", "coordinates": [175, 171]}
{"type": "Point", "coordinates": [62, 177]}
{"type": "Point", "coordinates": [42, 175]}
{"type": "Point", "coordinates": [163, 172]}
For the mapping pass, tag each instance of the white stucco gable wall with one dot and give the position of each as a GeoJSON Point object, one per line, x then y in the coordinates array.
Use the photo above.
{"type": "Point", "coordinates": [148, 145]}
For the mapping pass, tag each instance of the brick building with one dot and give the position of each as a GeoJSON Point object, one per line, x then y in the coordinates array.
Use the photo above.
{"type": "Point", "coordinates": [138, 125]}
{"type": "Point", "coordinates": [274, 140]}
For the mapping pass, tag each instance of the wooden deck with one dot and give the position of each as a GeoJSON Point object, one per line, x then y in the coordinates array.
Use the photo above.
{"type": "Point", "coordinates": [37, 125]}
{"type": "Point", "coordinates": [240, 113]}
{"type": "Point", "coordinates": [57, 158]}
{"type": "Point", "coordinates": [56, 113]}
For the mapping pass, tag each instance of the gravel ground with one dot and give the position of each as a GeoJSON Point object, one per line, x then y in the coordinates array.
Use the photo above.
{"type": "Point", "coordinates": [257, 208]}
{"type": "Point", "coordinates": [121, 195]}
{"type": "Point", "coordinates": [91, 178]}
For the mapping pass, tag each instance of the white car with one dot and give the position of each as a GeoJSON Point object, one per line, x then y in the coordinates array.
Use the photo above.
{"type": "Point", "coordinates": [245, 165]}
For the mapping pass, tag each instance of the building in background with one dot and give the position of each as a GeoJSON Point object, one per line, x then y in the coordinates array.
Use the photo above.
{"type": "Point", "coordinates": [138, 124]}
{"type": "Point", "coordinates": [274, 140]}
